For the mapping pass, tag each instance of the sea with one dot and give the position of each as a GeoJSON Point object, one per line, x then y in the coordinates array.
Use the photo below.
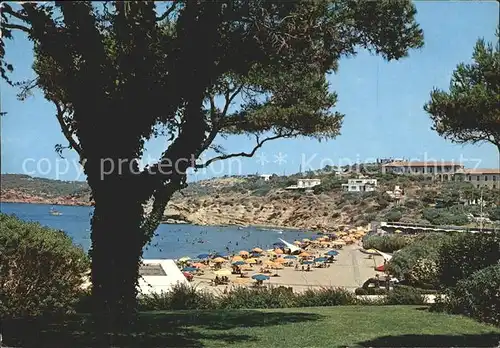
{"type": "Point", "coordinates": [171, 241]}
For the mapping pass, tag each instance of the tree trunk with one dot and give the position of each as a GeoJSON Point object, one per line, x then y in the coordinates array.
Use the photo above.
{"type": "Point", "coordinates": [117, 243]}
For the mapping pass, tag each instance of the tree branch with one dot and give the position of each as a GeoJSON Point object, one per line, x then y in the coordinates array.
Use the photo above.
{"type": "Point", "coordinates": [65, 129]}
{"type": "Point", "coordinates": [167, 12]}
{"type": "Point", "coordinates": [244, 154]}
{"type": "Point", "coordinates": [16, 27]}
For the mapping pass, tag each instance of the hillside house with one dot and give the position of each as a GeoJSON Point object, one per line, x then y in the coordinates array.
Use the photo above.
{"type": "Point", "coordinates": [439, 169]}
{"type": "Point", "coordinates": [305, 184]}
{"type": "Point", "coordinates": [360, 185]}
{"type": "Point", "coordinates": [480, 177]}
{"type": "Point", "coordinates": [447, 171]}
{"type": "Point", "coordinates": [266, 177]}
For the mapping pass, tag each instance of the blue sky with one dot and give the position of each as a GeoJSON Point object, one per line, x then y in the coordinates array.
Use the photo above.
{"type": "Point", "coordinates": [382, 102]}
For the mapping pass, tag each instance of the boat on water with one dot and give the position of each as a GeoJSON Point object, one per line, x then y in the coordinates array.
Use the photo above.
{"type": "Point", "coordinates": [54, 212]}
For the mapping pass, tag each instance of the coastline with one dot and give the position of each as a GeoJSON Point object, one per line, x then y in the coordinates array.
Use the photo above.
{"type": "Point", "coordinates": [45, 202]}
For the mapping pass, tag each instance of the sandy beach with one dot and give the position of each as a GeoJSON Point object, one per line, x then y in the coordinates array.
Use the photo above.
{"type": "Point", "coordinates": [350, 270]}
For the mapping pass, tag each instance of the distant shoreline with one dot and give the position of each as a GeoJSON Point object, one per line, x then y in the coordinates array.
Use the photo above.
{"type": "Point", "coordinates": [66, 204]}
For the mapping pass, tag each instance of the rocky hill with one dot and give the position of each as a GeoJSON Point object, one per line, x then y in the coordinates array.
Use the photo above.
{"type": "Point", "coordinates": [252, 201]}
{"type": "Point", "coordinates": [20, 188]}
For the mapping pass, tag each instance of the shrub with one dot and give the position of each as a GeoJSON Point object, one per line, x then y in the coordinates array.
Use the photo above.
{"type": "Point", "coordinates": [41, 271]}
{"type": "Point", "coordinates": [180, 297]}
{"type": "Point", "coordinates": [326, 296]}
{"type": "Point", "coordinates": [445, 216]}
{"type": "Point", "coordinates": [412, 204]}
{"type": "Point", "coordinates": [361, 291]}
{"type": "Point", "coordinates": [388, 244]}
{"type": "Point", "coordinates": [404, 263]}
{"type": "Point", "coordinates": [477, 296]}
{"type": "Point", "coordinates": [405, 296]}
{"type": "Point", "coordinates": [465, 253]}
{"type": "Point", "coordinates": [393, 216]}
{"type": "Point", "coordinates": [273, 297]}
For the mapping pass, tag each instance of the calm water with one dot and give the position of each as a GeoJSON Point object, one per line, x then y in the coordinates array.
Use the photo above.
{"type": "Point", "coordinates": [171, 241]}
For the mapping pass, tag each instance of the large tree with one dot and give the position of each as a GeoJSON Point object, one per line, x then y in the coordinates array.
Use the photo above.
{"type": "Point", "coordinates": [120, 73]}
{"type": "Point", "coordinates": [470, 111]}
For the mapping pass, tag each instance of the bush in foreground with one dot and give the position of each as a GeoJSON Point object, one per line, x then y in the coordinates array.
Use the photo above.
{"type": "Point", "coordinates": [477, 296]}
{"type": "Point", "coordinates": [416, 263]}
{"type": "Point", "coordinates": [41, 271]}
{"type": "Point", "coordinates": [466, 253]}
{"type": "Point", "coordinates": [184, 297]}
{"type": "Point", "coordinates": [388, 244]}
{"type": "Point", "coordinates": [405, 296]}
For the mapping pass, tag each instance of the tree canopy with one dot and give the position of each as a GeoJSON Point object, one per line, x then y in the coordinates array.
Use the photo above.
{"type": "Point", "coordinates": [470, 111]}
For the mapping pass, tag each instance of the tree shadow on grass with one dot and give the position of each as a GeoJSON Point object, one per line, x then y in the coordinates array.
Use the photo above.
{"type": "Point", "coordinates": [154, 329]}
{"type": "Point", "coordinates": [484, 340]}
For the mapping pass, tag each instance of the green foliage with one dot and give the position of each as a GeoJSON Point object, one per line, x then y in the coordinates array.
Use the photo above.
{"type": "Point", "coordinates": [41, 271]}
{"type": "Point", "coordinates": [329, 183]}
{"type": "Point", "coordinates": [387, 243]}
{"type": "Point", "coordinates": [326, 296]}
{"type": "Point", "coordinates": [464, 254]}
{"type": "Point", "coordinates": [180, 297]}
{"type": "Point", "coordinates": [469, 112]}
{"type": "Point", "coordinates": [453, 216]}
{"type": "Point", "coordinates": [495, 213]}
{"type": "Point", "coordinates": [393, 216]}
{"type": "Point", "coordinates": [416, 263]}
{"type": "Point", "coordinates": [241, 297]}
{"type": "Point", "coordinates": [405, 296]}
{"type": "Point", "coordinates": [44, 187]}
{"type": "Point", "coordinates": [477, 296]}
{"type": "Point", "coordinates": [370, 291]}
{"type": "Point", "coordinates": [189, 297]}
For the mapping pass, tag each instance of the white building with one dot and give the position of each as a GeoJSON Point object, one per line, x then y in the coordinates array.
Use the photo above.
{"type": "Point", "coordinates": [266, 177]}
{"type": "Point", "coordinates": [305, 184]}
{"type": "Point", "coordinates": [360, 185]}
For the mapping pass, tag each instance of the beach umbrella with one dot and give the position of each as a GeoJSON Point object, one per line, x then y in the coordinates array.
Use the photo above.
{"type": "Point", "coordinates": [305, 240]}
{"type": "Point", "coordinates": [198, 265]}
{"type": "Point", "coordinates": [223, 272]}
{"type": "Point", "coordinates": [219, 260]}
{"type": "Point", "coordinates": [221, 254]}
{"type": "Point", "coordinates": [297, 242]}
{"type": "Point", "coordinates": [254, 254]}
{"type": "Point", "coordinates": [280, 260]}
{"type": "Point", "coordinates": [380, 268]}
{"type": "Point", "coordinates": [238, 263]}
{"type": "Point", "coordinates": [278, 251]}
{"type": "Point", "coordinates": [257, 250]}
{"type": "Point", "coordinates": [290, 257]}
{"type": "Point", "coordinates": [189, 269]}
{"type": "Point", "coordinates": [398, 231]}
{"type": "Point", "coordinates": [332, 253]}
{"type": "Point", "coordinates": [277, 266]}
{"type": "Point", "coordinates": [268, 262]}
{"type": "Point", "coordinates": [304, 254]}
{"type": "Point", "coordinates": [250, 261]}
{"type": "Point", "coordinates": [324, 243]}
{"type": "Point", "coordinates": [237, 258]}
{"type": "Point", "coordinates": [320, 259]}
{"type": "Point", "coordinates": [244, 253]}
{"type": "Point", "coordinates": [307, 262]}
{"type": "Point", "coordinates": [260, 277]}
{"type": "Point", "coordinates": [184, 259]}
{"type": "Point", "coordinates": [203, 256]}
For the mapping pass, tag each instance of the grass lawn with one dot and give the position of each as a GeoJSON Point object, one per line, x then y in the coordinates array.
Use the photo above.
{"type": "Point", "coordinates": [365, 326]}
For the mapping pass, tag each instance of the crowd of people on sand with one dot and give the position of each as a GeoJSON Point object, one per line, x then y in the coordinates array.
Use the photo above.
{"type": "Point", "coordinates": [223, 268]}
